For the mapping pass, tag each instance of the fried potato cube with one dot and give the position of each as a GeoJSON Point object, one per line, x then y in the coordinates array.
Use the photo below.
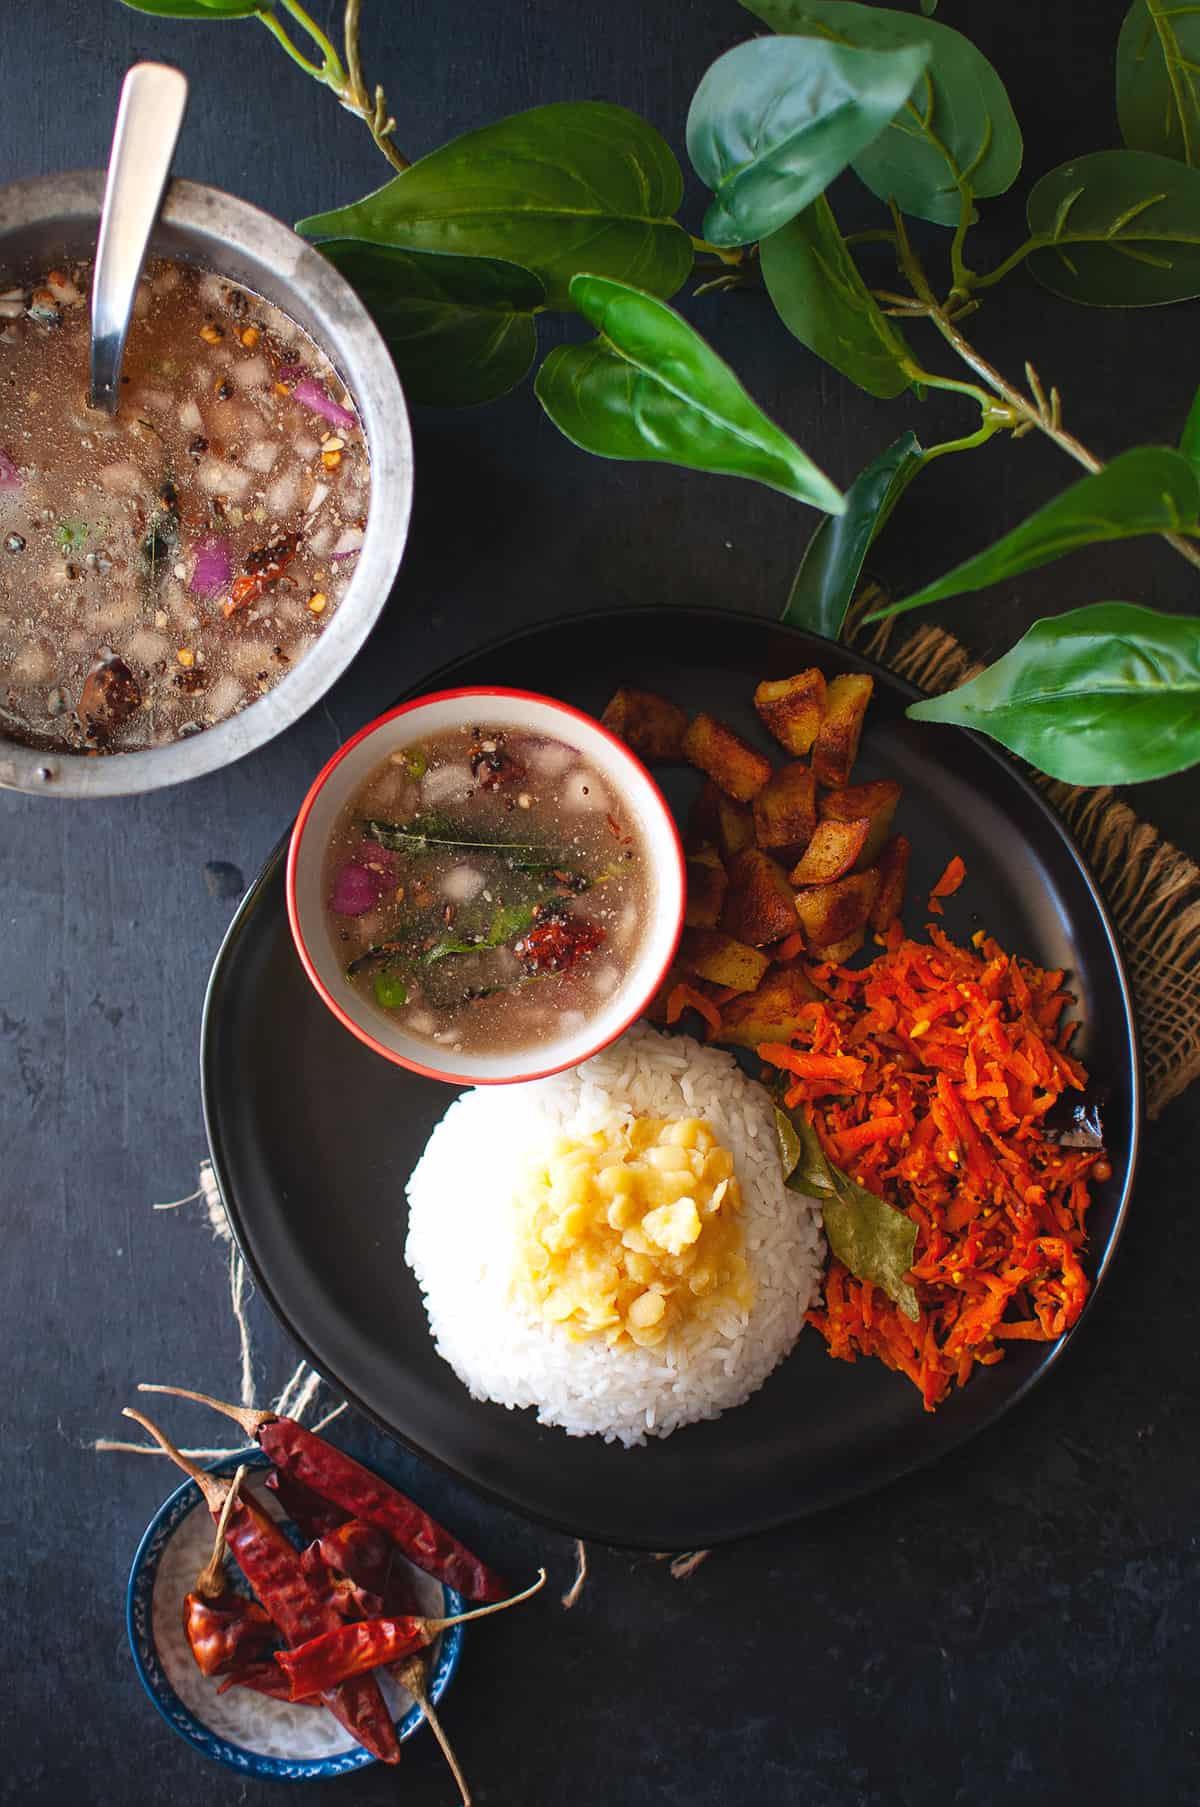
{"type": "Point", "coordinates": [731, 762]}
{"type": "Point", "coordinates": [647, 722]}
{"type": "Point", "coordinates": [722, 960]}
{"type": "Point", "coordinates": [759, 906]}
{"type": "Point", "coordinates": [836, 746]}
{"type": "Point", "coordinates": [876, 801]}
{"type": "Point", "coordinates": [785, 810]}
{"type": "Point", "coordinates": [833, 850]}
{"type": "Point", "coordinates": [792, 708]}
{"type": "Point", "coordinates": [706, 886]}
{"type": "Point", "coordinates": [830, 913]}
{"type": "Point", "coordinates": [716, 819]}
{"type": "Point", "coordinates": [893, 877]}
{"type": "Point", "coordinates": [772, 1012]}
{"type": "Point", "coordinates": [838, 952]}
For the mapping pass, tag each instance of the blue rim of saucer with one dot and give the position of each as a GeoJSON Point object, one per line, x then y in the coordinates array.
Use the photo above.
{"type": "Point", "coordinates": [139, 1622]}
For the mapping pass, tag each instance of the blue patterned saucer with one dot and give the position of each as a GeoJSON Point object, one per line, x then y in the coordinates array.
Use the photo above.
{"type": "Point", "coordinates": [250, 1733]}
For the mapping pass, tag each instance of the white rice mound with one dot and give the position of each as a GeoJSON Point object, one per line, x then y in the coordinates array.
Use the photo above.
{"type": "Point", "coordinates": [460, 1245]}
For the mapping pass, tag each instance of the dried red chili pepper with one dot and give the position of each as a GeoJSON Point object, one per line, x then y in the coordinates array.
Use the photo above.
{"type": "Point", "coordinates": [272, 1567]}
{"type": "Point", "coordinates": [335, 1656]}
{"type": "Point", "coordinates": [264, 566]}
{"type": "Point", "coordinates": [226, 1633]}
{"type": "Point", "coordinates": [266, 1678]}
{"type": "Point", "coordinates": [338, 1478]}
{"type": "Point", "coordinates": [311, 1514]}
{"type": "Point", "coordinates": [373, 1564]}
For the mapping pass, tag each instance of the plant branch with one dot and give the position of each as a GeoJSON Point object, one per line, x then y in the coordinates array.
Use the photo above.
{"type": "Point", "coordinates": [961, 278]}
{"type": "Point", "coordinates": [1045, 415]}
{"type": "Point", "coordinates": [347, 83]}
{"type": "Point", "coordinates": [1010, 263]}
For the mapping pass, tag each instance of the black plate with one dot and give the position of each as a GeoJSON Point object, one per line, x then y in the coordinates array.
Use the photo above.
{"type": "Point", "coordinates": [313, 1136]}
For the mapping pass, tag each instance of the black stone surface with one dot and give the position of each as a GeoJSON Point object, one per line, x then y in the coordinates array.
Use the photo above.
{"type": "Point", "coordinates": [1018, 1625]}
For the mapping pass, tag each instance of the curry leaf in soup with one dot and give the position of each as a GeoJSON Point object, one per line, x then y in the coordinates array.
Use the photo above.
{"type": "Point", "coordinates": [955, 137]}
{"type": "Point", "coordinates": [1152, 489]}
{"type": "Point", "coordinates": [1107, 694]}
{"type": "Point", "coordinates": [460, 329]}
{"type": "Point", "coordinates": [774, 122]}
{"type": "Point", "coordinates": [821, 297]}
{"type": "Point", "coordinates": [1158, 79]}
{"type": "Point", "coordinates": [824, 586]}
{"type": "Point", "coordinates": [651, 388]}
{"type": "Point", "coordinates": [1117, 229]}
{"type": "Point", "coordinates": [577, 185]}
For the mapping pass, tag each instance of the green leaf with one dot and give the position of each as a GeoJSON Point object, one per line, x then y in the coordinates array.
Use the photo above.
{"type": "Point", "coordinates": [460, 329]}
{"type": "Point", "coordinates": [1158, 79]}
{"type": "Point", "coordinates": [959, 128]}
{"type": "Point", "coordinates": [821, 298]}
{"type": "Point", "coordinates": [200, 9]}
{"type": "Point", "coordinates": [1189, 443]}
{"type": "Point", "coordinates": [1149, 490]}
{"type": "Point", "coordinates": [651, 388]}
{"type": "Point", "coordinates": [824, 585]}
{"type": "Point", "coordinates": [508, 920]}
{"type": "Point", "coordinates": [1108, 694]}
{"type": "Point", "coordinates": [776, 120]}
{"type": "Point", "coordinates": [869, 1236]}
{"type": "Point", "coordinates": [790, 1145]}
{"type": "Point", "coordinates": [1118, 229]}
{"type": "Point", "coordinates": [579, 185]}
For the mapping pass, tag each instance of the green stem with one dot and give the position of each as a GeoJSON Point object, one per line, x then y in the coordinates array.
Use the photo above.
{"type": "Point", "coordinates": [728, 254]}
{"type": "Point", "coordinates": [1010, 263]}
{"type": "Point", "coordinates": [276, 30]}
{"type": "Point", "coordinates": [961, 278]}
{"type": "Point", "coordinates": [993, 422]}
{"type": "Point", "coordinates": [331, 62]}
{"type": "Point", "coordinates": [876, 235]}
{"type": "Point", "coordinates": [930, 379]}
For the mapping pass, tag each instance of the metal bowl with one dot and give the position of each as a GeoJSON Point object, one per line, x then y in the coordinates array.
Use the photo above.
{"type": "Point", "coordinates": [53, 218]}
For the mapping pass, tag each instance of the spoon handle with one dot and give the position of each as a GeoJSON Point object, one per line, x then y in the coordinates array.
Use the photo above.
{"type": "Point", "coordinates": [153, 98]}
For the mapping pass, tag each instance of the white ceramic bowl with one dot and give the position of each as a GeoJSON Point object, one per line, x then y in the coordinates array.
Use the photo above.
{"type": "Point", "coordinates": [411, 722]}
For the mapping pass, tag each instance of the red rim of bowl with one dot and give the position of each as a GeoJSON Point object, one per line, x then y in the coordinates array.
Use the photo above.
{"type": "Point", "coordinates": [490, 692]}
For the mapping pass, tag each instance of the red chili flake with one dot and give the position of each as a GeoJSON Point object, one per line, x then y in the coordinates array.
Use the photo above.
{"type": "Point", "coordinates": [264, 566]}
{"type": "Point", "coordinates": [556, 945]}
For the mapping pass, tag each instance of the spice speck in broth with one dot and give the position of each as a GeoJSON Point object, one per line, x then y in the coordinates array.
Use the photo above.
{"type": "Point", "coordinates": [199, 517]}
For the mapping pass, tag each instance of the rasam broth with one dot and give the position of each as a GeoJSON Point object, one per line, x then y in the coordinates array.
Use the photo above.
{"type": "Point", "coordinates": [162, 569]}
{"type": "Point", "coordinates": [487, 890]}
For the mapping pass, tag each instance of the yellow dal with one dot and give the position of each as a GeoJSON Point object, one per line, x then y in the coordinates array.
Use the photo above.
{"type": "Point", "coordinates": [628, 1233]}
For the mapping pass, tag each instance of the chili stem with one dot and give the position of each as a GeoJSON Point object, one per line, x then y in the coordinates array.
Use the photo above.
{"type": "Point", "coordinates": [211, 1580]}
{"type": "Point", "coordinates": [214, 1491]}
{"type": "Point", "coordinates": [433, 1626]}
{"type": "Point", "coordinates": [411, 1674]}
{"type": "Point", "coordinates": [250, 1419]}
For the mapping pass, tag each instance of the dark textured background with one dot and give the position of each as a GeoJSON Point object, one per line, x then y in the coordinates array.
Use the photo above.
{"type": "Point", "coordinates": [1015, 1626]}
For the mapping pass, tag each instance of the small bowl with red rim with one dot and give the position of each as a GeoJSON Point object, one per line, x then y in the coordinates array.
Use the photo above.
{"type": "Point", "coordinates": [517, 712]}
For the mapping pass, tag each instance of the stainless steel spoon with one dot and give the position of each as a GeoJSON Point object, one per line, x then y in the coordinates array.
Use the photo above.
{"type": "Point", "coordinates": [153, 98]}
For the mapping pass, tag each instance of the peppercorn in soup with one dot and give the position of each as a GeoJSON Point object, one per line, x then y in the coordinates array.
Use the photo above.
{"type": "Point", "coordinates": [487, 890]}
{"type": "Point", "coordinates": [161, 570]}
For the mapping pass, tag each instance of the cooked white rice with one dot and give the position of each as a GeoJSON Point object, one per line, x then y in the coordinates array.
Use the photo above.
{"type": "Point", "coordinates": [461, 1241]}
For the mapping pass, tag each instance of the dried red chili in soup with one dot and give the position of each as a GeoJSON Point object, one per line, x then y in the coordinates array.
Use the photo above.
{"type": "Point", "coordinates": [487, 889]}
{"type": "Point", "coordinates": [161, 570]}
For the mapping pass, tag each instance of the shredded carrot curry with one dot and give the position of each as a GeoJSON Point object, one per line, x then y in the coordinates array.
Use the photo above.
{"type": "Point", "coordinates": [927, 1076]}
